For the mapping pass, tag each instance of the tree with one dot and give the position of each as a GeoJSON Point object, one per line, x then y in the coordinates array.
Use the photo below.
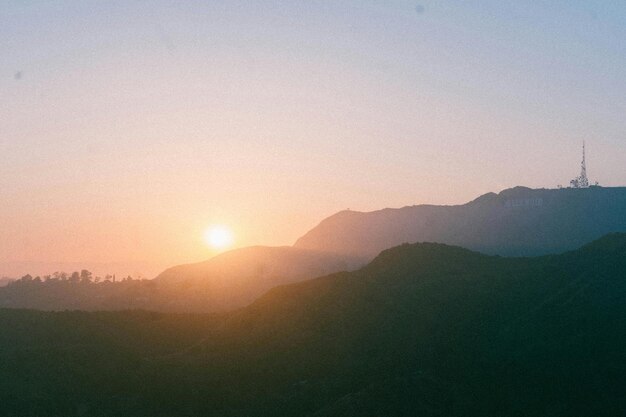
{"type": "Point", "coordinates": [75, 277]}
{"type": "Point", "coordinates": [85, 276]}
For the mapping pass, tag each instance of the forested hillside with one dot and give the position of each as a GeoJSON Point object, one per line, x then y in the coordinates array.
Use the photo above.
{"type": "Point", "coordinates": [425, 329]}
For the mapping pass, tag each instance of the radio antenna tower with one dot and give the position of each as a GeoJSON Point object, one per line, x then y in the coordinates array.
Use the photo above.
{"type": "Point", "coordinates": [581, 181]}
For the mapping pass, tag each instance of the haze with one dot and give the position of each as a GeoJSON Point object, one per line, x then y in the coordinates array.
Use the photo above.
{"type": "Point", "coordinates": [128, 128]}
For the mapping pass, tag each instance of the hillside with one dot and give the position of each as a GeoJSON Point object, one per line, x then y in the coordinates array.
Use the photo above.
{"type": "Point", "coordinates": [237, 277]}
{"type": "Point", "coordinates": [424, 329]}
{"type": "Point", "coordinates": [516, 222]}
{"type": "Point", "coordinates": [225, 282]}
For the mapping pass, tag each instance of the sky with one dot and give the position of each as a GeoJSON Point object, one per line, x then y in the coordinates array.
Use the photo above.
{"type": "Point", "coordinates": [128, 128]}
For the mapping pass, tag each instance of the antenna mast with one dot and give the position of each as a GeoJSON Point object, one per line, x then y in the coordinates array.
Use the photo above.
{"type": "Point", "coordinates": [581, 181]}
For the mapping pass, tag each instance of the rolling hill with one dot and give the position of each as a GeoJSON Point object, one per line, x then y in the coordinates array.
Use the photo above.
{"type": "Point", "coordinates": [516, 222]}
{"type": "Point", "coordinates": [424, 329]}
{"type": "Point", "coordinates": [237, 277]}
{"type": "Point", "coordinates": [225, 282]}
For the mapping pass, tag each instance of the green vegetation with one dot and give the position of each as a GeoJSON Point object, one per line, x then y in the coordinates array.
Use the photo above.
{"type": "Point", "coordinates": [423, 330]}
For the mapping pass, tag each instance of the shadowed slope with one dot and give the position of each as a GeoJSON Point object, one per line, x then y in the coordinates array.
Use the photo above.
{"type": "Point", "coordinates": [516, 222]}
{"type": "Point", "coordinates": [235, 278]}
{"type": "Point", "coordinates": [425, 329]}
{"type": "Point", "coordinates": [227, 281]}
{"type": "Point", "coordinates": [440, 330]}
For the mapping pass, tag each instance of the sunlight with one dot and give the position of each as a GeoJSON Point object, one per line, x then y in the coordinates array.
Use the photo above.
{"type": "Point", "coordinates": [219, 237]}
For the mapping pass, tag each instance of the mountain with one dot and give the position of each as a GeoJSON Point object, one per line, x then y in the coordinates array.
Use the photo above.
{"type": "Point", "coordinates": [424, 329]}
{"type": "Point", "coordinates": [225, 282]}
{"type": "Point", "coordinates": [237, 277]}
{"type": "Point", "coordinates": [516, 222]}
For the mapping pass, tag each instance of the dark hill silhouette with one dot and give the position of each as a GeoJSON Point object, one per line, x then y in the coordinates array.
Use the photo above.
{"type": "Point", "coordinates": [424, 329]}
{"type": "Point", "coordinates": [516, 222]}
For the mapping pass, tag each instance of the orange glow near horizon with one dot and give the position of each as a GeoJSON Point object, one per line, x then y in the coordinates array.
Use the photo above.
{"type": "Point", "coordinates": [123, 143]}
{"type": "Point", "coordinates": [219, 237]}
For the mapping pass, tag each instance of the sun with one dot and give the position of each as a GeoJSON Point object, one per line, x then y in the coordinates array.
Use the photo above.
{"type": "Point", "coordinates": [219, 237]}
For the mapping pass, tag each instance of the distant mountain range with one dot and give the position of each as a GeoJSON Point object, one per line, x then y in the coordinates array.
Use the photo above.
{"type": "Point", "coordinates": [423, 330]}
{"type": "Point", "coordinates": [516, 222]}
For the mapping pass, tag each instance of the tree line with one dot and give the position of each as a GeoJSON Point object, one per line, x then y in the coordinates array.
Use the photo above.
{"type": "Point", "coordinates": [83, 277]}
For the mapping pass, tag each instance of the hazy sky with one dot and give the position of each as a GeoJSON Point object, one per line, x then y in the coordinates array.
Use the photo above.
{"type": "Point", "coordinates": [128, 127]}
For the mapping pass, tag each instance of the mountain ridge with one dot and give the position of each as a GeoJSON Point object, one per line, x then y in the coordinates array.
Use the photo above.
{"type": "Point", "coordinates": [515, 222]}
{"type": "Point", "coordinates": [424, 329]}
